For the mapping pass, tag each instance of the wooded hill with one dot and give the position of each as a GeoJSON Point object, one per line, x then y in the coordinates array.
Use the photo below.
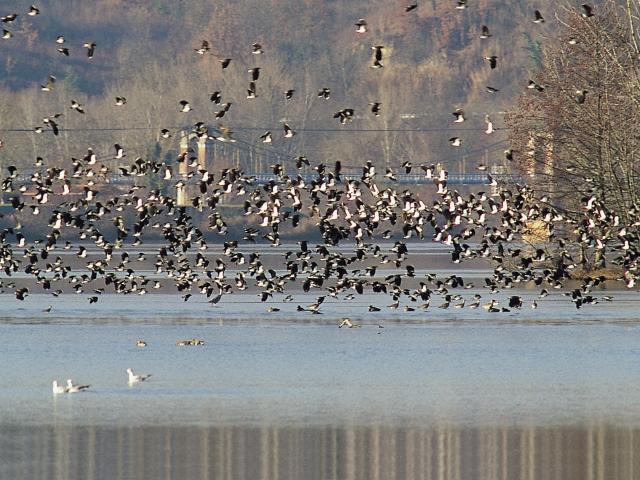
{"type": "Point", "coordinates": [433, 57]}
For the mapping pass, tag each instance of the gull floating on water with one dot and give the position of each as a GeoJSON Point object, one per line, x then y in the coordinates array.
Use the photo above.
{"type": "Point", "coordinates": [58, 388]}
{"type": "Point", "coordinates": [74, 387]}
{"type": "Point", "coordinates": [133, 378]}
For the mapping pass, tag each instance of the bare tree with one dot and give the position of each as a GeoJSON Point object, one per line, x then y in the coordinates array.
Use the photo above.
{"type": "Point", "coordinates": [577, 128]}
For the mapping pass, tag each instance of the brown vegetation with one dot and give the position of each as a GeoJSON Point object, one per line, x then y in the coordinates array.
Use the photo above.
{"type": "Point", "coordinates": [145, 52]}
{"type": "Point", "coordinates": [578, 129]}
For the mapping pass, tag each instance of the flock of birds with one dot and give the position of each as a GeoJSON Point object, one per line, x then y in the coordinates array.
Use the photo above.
{"type": "Point", "coordinates": [346, 210]}
{"type": "Point", "coordinates": [72, 387]}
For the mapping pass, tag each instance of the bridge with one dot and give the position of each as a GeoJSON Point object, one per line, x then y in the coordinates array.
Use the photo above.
{"type": "Point", "coordinates": [406, 179]}
{"type": "Point", "coordinates": [204, 135]}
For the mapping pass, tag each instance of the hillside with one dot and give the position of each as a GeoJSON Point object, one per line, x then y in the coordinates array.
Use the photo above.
{"type": "Point", "coordinates": [145, 51]}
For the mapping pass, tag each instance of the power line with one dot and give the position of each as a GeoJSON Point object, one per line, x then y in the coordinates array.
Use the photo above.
{"type": "Point", "coordinates": [240, 128]}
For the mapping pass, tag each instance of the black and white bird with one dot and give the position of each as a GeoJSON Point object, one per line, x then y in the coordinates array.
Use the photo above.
{"type": "Point", "coordinates": [493, 61]}
{"type": "Point", "coordinates": [120, 101]}
{"type": "Point", "coordinates": [532, 85]}
{"type": "Point", "coordinates": [459, 114]}
{"type": "Point", "coordinates": [375, 108]}
{"type": "Point", "coordinates": [9, 18]}
{"type": "Point", "coordinates": [136, 378]}
{"type": "Point", "coordinates": [288, 94]}
{"type": "Point", "coordinates": [411, 7]}
{"type": "Point", "coordinates": [581, 96]}
{"type": "Point", "coordinates": [288, 131]}
{"type": "Point", "coordinates": [485, 33]}
{"type": "Point", "coordinates": [48, 87]}
{"type": "Point", "coordinates": [76, 106]}
{"type": "Point", "coordinates": [256, 49]}
{"type": "Point", "coordinates": [203, 48]}
{"type": "Point", "coordinates": [324, 93]}
{"type": "Point", "coordinates": [6, 34]}
{"type": "Point", "coordinates": [225, 62]}
{"type": "Point", "coordinates": [251, 90]}
{"type": "Point", "coordinates": [51, 123]}
{"type": "Point", "coordinates": [74, 387]}
{"type": "Point", "coordinates": [266, 137]}
{"type": "Point", "coordinates": [33, 11]}
{"type": "Point", "coordinates": [455, 141]}
{"type": "Point", "coordinates": [538, 17]}
{"type": "Point", "coordinates": [377, 56]}
{"type": "Point", "coordinates": [185, 106]}
{"type": "Point", "coordinates": [91, 47]}
{"type": "Point", "coordinates": [489, 123]}
{"type": "Point", "coordinates": [255, 73]}
{"type": "Point", "coordinates": [587, 10]}
{"type": "Point", "coordinates": [345, 115]}
{"type": "Point", "coordinates": [361, 26]}
{"type": "Point", "coordinates": [119, 152]}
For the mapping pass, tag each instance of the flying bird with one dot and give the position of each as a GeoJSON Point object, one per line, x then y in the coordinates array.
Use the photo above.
{"type": "Point", "coordinates": [76, 106]}
{"type": "Point", "coordinates": [288, 131]}
{"type": "Point", "coordinates": [266, 137]}
{"type": "Point", "coordinates": [91, 47]}
{"type": "Point", "coordinates": [493, 61]}
{"type": "Point", "coordinates": [203, 48]}
{"type": "Point", "coordinates": [119, 152]}
{"type": "Point", "coordinates": [587, 10]}
{"type": "Point", "coordinates": [377, 56]}
{"type": "Point", "coordinates": [251, 91]}
{"type": "Point", "coordinates": [581, 96]}
{"type": "Point", "coordinates": [48, 87]}
{"type": "Point", "coordinates": [255, 73]}
{"type": "Point", "coordinates": [324, 93]}
{"type": "Point", "coordinates": [9, 18]}
{"type": "Point", "coordinates": [489, 123]}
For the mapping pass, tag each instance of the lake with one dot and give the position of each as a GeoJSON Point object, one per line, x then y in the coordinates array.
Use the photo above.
{"type": "Point", "coordinates": [547, 393]}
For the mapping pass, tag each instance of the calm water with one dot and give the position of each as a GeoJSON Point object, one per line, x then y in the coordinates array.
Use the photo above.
{"type": "Point", "coordinates": [442, 394]}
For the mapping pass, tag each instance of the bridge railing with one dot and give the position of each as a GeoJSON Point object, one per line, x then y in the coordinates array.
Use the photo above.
{"type": "Point", "coordinates": [405, 179]}
{"type": "Point", "coordinates": [412, 179]}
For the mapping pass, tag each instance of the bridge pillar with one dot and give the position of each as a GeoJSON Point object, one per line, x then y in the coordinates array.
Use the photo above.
{"type": "Point", "coordinates": [181, 192]}
{"type": "Point", "coordinates": [202, 153]}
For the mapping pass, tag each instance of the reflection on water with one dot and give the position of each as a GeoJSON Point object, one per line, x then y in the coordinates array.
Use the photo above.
{"type": "Point", "coordinates": [340, 453]}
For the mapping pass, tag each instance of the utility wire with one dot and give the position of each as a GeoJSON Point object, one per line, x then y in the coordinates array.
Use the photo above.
{"type": "Point", "coordinates": [240, 128]}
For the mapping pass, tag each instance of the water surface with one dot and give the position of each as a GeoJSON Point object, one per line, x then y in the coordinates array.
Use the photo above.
{"type": "Point", "coordinates": [551, 393]}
